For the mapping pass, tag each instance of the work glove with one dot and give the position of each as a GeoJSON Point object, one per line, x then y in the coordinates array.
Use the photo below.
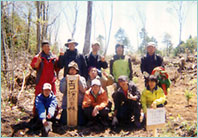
{"type": "Point", "coordinates": [115, 121]}
{"type": "Point", "coordinates": [146, 75]}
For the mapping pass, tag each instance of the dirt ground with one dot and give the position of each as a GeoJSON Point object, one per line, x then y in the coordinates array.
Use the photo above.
{"type": "Point", "coordinates": [14, 117]}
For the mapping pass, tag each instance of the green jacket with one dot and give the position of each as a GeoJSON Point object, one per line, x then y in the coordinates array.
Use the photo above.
{"type": "Point", "coordinates": [121, 65]}
{"type": "Point", "coordinates": [148, 97]}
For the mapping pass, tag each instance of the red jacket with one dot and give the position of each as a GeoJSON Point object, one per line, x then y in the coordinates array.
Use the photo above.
{"type": "Point", "coordinates": [45, 72]}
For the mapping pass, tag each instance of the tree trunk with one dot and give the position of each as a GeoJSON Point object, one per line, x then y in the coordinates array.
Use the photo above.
{"type": "Point", "coordinates": [38, 26]}
{"type": "Point", "coordinates": [28, 30]}
{"type": "Point", "coordinates": [110, 25]}
{"type": "Point", "coordinates": [12, 49]}
{"type": "Point", "coordinates": [43, 21]}
{"type": "Point", "coordinates": [86, 48]}
{"type": "Point", "coordinates": [75, 20]}
{"type": "Point", "coordinates": [4, 56]}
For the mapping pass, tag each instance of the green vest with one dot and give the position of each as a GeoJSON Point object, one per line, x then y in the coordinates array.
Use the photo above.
{"type": "Point", "coordinates": [121, 67]}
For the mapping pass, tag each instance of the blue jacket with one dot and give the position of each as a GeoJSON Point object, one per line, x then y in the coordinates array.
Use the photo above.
{"type": "Point", "coordinates": [45, 105]}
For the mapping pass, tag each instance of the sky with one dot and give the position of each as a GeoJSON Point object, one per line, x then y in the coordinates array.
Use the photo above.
{"type": "Point", "coordinates": [158, 21]}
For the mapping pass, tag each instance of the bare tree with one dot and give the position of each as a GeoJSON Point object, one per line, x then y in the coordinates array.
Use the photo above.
{"type": "Point", "coordinates": [4, 56]}
{"type": "Point", "coordinates": [86, 48]}
{"type": "Point", "coordinates": [181, 8]}
{"type": "Point", "coordinates": [168, 43]}
{"type": "Point", "coordinates": [28, 29]}
{"type": "Point", "coordinates": [38, 6]}
{"type": "Point", "coordinates": [72, 28]}
{"type": "Point", "coordinates": [109, 34]}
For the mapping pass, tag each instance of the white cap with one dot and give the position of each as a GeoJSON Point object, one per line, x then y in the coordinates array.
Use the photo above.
{"type": "Point", "coordinates": [96, 43]}
{"type": "Point", "coordinates": [151, 44]}
{"type": "Point", "coordinates": [47, 86]}
{"type": "Point", "coordinates": [96, 82]}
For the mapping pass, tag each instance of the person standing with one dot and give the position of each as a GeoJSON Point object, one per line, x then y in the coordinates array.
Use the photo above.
{"type": "Point", "coordinates": [150, 61]}
{"type": "Point", "coordinates": [94, 59]}
{"type": "Point", "coordinates": [120, 64]}
{"type": "Point", "coordinates": [45, 64]}
{"type": "Point", "coordinates": [72, 54]}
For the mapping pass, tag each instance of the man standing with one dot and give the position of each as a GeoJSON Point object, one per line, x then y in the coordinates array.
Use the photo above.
{"type": "Point", "coordinates": [150, 60]}
{"type": "Point", "coordinates": [127, 102]}
{"type": "Point", "coordinates": [45, 64]}
{"type": "Point", "coordinates": [120, 64]}
{"type": "Point", "coordinates": [95, 60]}
{"type": "Point", "coordinates": [72, 54]}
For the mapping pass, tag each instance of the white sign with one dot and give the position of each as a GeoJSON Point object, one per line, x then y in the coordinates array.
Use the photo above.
{"type": "Point", "coordinates": [155, 116]}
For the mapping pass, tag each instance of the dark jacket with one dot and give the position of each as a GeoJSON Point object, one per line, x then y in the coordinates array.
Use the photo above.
{"type": "Point", "coordinates": [148, 63]}
{"type": "Point", "coordinates": [45, 105]}
{"type": "Point", "coordinates": [119, 98]}
{"type": "Point", "coordinates": [95, 61]}
{"type": "Point", "coordinates": [73, 56]}
{"type": "Point", "coordinates": [120, 68]}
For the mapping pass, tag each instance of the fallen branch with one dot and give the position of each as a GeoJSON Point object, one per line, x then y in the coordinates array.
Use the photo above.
{"type": "Point", "coordinates": [22, 85]}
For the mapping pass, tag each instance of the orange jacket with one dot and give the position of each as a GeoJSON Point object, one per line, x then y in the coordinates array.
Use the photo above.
{"type": "Point", "coordinates": [101, 101]}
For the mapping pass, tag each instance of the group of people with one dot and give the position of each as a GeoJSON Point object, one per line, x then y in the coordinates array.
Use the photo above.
{"type": "Point", "coordinates": [94, 104]}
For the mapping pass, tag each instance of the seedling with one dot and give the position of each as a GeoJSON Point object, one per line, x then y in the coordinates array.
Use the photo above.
{"type": "Point", "coordinates": [188, 95]}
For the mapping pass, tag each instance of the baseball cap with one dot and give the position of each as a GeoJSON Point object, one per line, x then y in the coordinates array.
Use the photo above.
{"type": "Point", "coordinates": [151, 44]}
{"type": "Point", "coordinates": [96, 82]}
{"type": "Point", "coordinates": [47, 86]}
{"type": "Point", "coordinates": [122, 78]}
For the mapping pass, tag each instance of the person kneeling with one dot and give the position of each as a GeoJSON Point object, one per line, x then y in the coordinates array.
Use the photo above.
{"type": "Point", "coordinates": [127, 103]}
{"type": "Point", "coordinates": [46, 104]}
{"type": "Point", "coordinates": [95, 104]}
{"type": "Point", "coordinates": [152, 96]}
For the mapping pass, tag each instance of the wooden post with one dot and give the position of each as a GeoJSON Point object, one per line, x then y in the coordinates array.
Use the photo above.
{"type": "Point", "coordinates": [72, 100]}
{"type": "Point", "coordinates": [155, 132]}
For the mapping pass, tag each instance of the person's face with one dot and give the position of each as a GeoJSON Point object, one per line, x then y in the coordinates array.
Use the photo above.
{"type": "Point", "coordinates": [120, 50]}
{"type": "Point", "coordinates": [72, 71]}
{"type": "Point", "coordinates": [46, 49]}
{"type": "Point", "coordinates": [95, 48]}
{"type": "Point", "coordinates": [95, 89]}
{"type": "Point", "coordinates": [123, 84]}
{"type": "Point", "coordinates": [93, 73]}
{"type": "Point", "coordinates": [71, 46]}
{"type": "Point", "coordinates": [151, 50]}
{"type": "Point", "coordinates": [152, 84]}
{"type": "Point", "coordinates": [46, 92]}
